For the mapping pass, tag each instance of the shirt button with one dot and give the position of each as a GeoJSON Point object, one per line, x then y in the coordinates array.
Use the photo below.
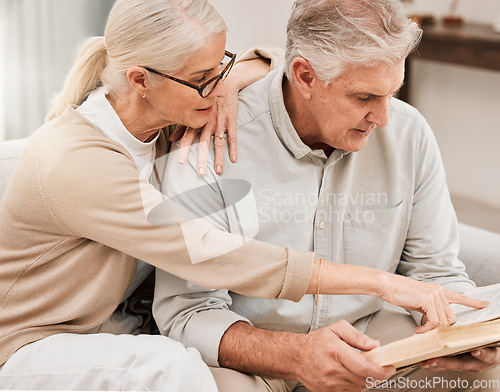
{"type": "Point", "coordinates": [322, 225]}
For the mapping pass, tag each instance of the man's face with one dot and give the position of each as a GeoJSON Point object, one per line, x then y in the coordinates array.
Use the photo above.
{"type": "Point", "coordinates": [347, 110]}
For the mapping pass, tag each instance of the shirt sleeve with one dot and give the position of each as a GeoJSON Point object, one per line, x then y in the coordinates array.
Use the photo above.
{"type": "Point", "coordinates": [193, 315]}
{"type": "Point", "coordinates": [431, 248]}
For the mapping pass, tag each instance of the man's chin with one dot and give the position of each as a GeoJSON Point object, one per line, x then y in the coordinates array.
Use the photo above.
{"type": "Point", "coordinates": [356, 149]}
{"type": "Point", "coordinates": [355, 146]}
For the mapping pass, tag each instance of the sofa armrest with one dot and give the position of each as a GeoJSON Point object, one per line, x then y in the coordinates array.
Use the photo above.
{"type": "Point", "coordinates": [480, 252]}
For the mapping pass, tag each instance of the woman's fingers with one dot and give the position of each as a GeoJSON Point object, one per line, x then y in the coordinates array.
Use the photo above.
{"type": "Point", "coordinates": [203, 145]}
{"type": "Point", "coordinates": [219, 148]}
{"type": "Point", "coordinates": [430, 299]}
{"type": "Point", "coordinates": [439, 312]}
{"type": "Point", "coordinates": [186, 143]}
{"type": "Point", "coordinates": [227, 109]}
{"type": "Point", "coordinates": [462, 299]}
{"type": "Point", "coordinates": [226, 121]}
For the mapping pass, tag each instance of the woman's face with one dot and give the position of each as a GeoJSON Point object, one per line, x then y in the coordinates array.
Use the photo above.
{"type": "Point", "coordinates": [175, 103]}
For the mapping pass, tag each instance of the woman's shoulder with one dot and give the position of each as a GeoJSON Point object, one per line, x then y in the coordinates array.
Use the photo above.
{"type": "Point", "coordinates": [69, 159]}
{"type": "Point", "coordinates": [71, 130]}
{"type": "Point", "coordinates": [70, 137]}
{"type": "Point", "coordinates": [70, 150]}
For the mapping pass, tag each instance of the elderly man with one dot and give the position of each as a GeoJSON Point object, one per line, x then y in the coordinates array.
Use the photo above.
{"type": "Point", "coordinates": [337, 166]}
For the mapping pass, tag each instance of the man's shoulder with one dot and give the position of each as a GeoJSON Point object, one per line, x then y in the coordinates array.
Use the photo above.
{"type": "Point", "coordinates": [406, 121]}
{"type": "Point", "coordinates": [405, 133]}
{"type": "Point", "coordinates": [254, 100]}
{"type": "Point", "coordinates": [404, 109]}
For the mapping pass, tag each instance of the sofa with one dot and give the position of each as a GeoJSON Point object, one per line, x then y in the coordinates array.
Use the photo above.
{"type": "Point", "coordinates": [479, 249]}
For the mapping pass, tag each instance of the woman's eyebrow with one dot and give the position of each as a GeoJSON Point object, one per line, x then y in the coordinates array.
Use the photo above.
{"type": "Point", "coordinates": [204, 71]}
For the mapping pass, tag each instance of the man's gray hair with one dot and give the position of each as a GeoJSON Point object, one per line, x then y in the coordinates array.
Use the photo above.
{"type": "Point", "coordinates": [334, 34]}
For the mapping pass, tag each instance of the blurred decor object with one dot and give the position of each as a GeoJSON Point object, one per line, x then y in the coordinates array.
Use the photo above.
{"type": "Point", "coordinates": [496, 24]}
{"type": "Point", "coordinates": [423, 19]}
{"type": "Point", "coordinates": [419, 18]}
{"type": "Point", "coordinates": [452, 18]}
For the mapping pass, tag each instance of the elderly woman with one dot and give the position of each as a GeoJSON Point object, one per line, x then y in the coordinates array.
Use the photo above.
{"type": "Point", "coordinates": [83, 222]}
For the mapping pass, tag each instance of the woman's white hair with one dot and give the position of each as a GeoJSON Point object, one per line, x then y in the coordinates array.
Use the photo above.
{"type": "Point", "coordinates": [161, 34]}
{"type": "Point", "coordinates": [334, 34]}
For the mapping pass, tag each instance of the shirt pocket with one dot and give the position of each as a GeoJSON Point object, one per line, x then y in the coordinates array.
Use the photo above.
{"type": "Point", "coordinates": [375, 238]}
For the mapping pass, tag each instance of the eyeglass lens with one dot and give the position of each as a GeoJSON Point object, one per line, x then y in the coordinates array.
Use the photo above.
{"type": "Point", "coordinates": [209, 88]}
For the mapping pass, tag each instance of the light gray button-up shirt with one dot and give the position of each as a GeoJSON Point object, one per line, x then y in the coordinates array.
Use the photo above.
{"type": "Point", "coordinates": [386, 207]}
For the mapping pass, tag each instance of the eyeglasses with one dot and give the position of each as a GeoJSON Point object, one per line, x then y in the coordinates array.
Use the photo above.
{"type": "Point", "coordinates": [209, 86]}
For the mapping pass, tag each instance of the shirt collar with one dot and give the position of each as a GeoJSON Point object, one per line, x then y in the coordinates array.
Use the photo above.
{"type": "Point", "coordinates": [284, 127]}
{"type": "Point", "coordinates": [99, 112]}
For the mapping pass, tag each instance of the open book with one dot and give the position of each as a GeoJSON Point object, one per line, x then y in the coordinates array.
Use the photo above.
{"type": "Point", "coordinates": [474, 328]}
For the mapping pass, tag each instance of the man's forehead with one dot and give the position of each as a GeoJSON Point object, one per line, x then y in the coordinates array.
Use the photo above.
{"type": "Point", "coordinates": [378, 80]}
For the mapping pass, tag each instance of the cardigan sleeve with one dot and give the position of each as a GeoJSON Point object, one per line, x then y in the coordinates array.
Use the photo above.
{"type": "Point", "coordinates": [94, 191]}
{"type": "Point", "coordinates": [274, 54]}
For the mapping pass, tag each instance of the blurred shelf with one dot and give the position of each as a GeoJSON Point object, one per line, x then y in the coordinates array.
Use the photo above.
{"type": "Point", "coordinates": [469, 44]}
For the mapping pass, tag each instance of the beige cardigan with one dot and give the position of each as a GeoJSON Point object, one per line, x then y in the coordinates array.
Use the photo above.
{"type": "Point", "coordinates": [73, 223]}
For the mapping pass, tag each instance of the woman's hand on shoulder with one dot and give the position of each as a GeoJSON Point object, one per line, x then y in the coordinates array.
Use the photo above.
{"type": "Point", "coordinates": [222, 126]}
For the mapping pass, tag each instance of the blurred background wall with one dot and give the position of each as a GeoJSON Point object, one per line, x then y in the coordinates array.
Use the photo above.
{"type": "Point", "coordinates": [462, 105]}
{"type": "Point", "coordinates": [37, 42]}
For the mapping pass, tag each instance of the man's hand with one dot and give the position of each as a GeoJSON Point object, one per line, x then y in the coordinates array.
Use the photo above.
{"type": "Point", "coordinates": [330, 364]}
{"type": "Point", "coordinates": [474, 362]}
{"type": "Point", "coordinates": [323, 360]}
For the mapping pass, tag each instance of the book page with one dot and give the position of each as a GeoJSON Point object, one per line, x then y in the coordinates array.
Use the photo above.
{"type": "Point", "coordinates": [466, 315]}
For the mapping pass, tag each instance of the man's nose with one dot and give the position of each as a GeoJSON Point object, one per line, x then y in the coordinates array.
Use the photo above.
{"type": "Point", "coordinates": [379, 113]}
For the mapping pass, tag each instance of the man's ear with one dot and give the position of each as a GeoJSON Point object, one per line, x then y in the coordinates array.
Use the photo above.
{"type": "Point", "coordinates": [304, 77]}
{"type": "Point", "coordinates": [138, 79]}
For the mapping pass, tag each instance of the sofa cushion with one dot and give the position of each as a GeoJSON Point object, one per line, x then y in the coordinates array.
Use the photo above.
{"type": "Point", "coordinates": [10, 151]}
{"type": "Point", "coordinates": [480, 252]}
